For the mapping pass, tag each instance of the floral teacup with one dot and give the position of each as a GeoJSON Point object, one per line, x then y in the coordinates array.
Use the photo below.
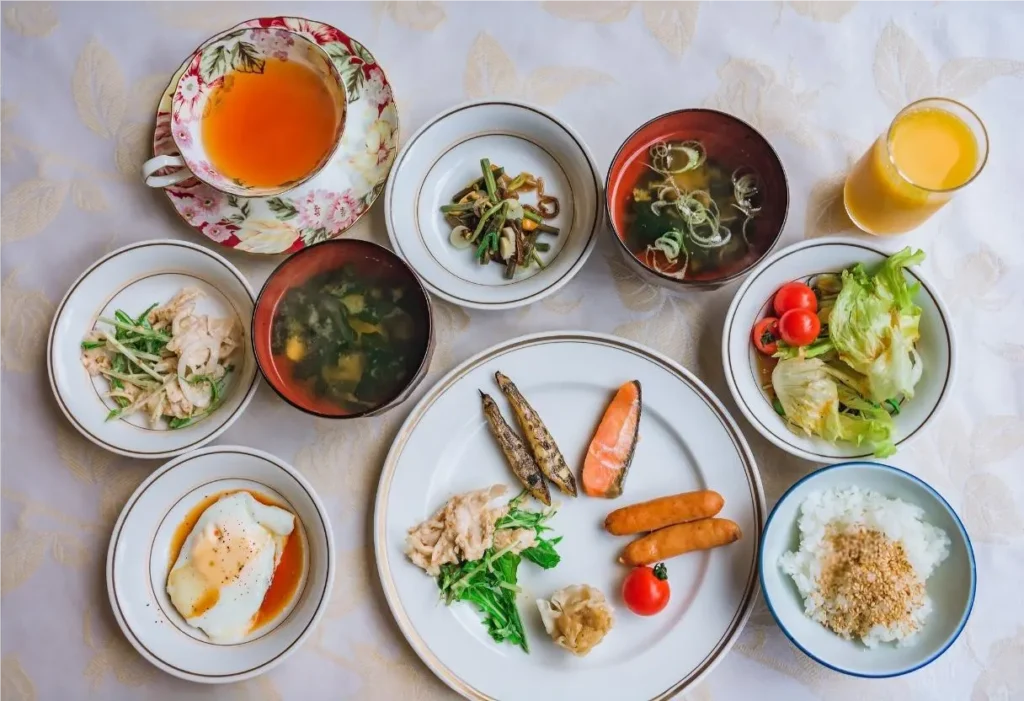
{"type": "Point", "coordinates": [242, 51]}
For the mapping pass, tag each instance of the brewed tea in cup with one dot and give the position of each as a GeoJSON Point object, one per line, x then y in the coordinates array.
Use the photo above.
{"type": "Point", "coordinates": [256, 113]}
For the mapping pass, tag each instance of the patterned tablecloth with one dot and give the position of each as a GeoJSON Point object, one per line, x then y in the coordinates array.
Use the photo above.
{"type": "Point", "coordinates": [80, 81]}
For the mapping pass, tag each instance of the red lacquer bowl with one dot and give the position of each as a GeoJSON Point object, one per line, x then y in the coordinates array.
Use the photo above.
{"type": "Point", "coordinates": [725, 138]}
{"type": "Point", "coordinates": [297, 270]}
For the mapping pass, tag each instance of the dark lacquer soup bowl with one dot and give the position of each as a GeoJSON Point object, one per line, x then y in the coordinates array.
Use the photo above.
{"type": "Point", "coordinates": [343, 329]}
{"type": "Point", "coordinates": [696, 198]}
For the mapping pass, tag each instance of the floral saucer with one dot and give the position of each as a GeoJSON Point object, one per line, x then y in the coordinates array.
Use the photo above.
{"type": "Point", "coordinates": [324, 206]}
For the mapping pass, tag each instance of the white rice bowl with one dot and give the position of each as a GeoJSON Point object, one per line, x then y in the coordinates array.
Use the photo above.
{"type": "Point", "coordinates": [925, 546]}
{"type": "Point", "coordinates": [952, 585]}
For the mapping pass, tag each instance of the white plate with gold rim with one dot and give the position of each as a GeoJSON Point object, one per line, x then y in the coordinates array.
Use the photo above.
{"type": "Point", "coordinates": [145, 544]}
{"type": "Point", "coordinates": [132, 278]}
{"type": "Point", "coordinates": [687, 441]}
{"type": "Point", "coordinates": [444, 155]}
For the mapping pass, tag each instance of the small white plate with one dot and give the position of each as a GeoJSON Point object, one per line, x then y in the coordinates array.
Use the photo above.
{"type": "Point", "coordinates": [444, 156]}
{"type": "Point", "coordinates": [687, 442]}
{"type": "Point", "coordinates": [139, 560]}
{"type": "Point", "coordinates": [752, 302]}
{"type": "Point", "coordinates": [951, 587]}
{"type": "Point", "coordinates": [132, 278]}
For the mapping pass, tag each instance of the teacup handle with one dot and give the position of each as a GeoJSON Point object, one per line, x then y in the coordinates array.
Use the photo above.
{"type": "Point", "coordinates": [156, 163]}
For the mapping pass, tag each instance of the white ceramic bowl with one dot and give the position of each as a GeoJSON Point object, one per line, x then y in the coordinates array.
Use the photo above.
{"type": "Point", "coordinates": [132, 278]}
{"type": "Point", "coordinates": [444, 156]}
{"type": "Point", "coordinates": [951, 586]}
{"type": "Point", "coordinates": [140, 553]}
{"type": "Point", "coordinates": [752, 302]}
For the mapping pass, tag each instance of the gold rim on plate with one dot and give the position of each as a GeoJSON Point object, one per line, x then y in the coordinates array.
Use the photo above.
{"type": "Point", "coordinates": [410, 633]}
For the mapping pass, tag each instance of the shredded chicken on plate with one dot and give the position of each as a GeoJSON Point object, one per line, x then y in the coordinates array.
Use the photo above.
{"type": "Point", "coordinates": [169, 363]}
{"type": "Point", "coordinates": [462, 530]}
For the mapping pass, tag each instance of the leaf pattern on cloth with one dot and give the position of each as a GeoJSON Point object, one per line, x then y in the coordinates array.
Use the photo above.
{"type": "Point", "coordinates": [384, 677]}
{"type": "Point", "coordinates": [753, 92]}
{"type": "Point", "coordinates": [822, 11]}
{"type": "Point", "coordinates": [903, 74]}
{"type": "Point", "coordinates": [826, 213]}
{"type": "Point", "coordinates": [111, 654]}
{"type": "Point", "coordinates": [15, 684]}
{"type": "Point", "coordinates": [419, 15]}
{"type": "Point", "coordinates": [22, 552]}
{"type": "Point", "coordinates": [99, 89]}
{"type": "Point", "coordinates": [490, 71]}
{"type": "Point", "coordinates": [24, 320]}
{"type": "Point", "coordinates": [1003, 674]}
{"type": "Point", "coordinates": [29, 207]}
{"type": "Point", "coordinates": [671, 24]}
{"type": "Point", "coordinates": [970, 280]}
{"type": "Point", "coordinates": [31, 19]}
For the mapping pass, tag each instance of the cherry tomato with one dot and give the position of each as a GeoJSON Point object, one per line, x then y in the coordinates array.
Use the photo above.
{"type": "Point", "coordinates": [799, 327]}
{"type": "Point", "coordinates": [794, 295]}
{"type": "Point", "coordinates": [645, 590]}
{"type": "Point", "coordinates": [766, 335]}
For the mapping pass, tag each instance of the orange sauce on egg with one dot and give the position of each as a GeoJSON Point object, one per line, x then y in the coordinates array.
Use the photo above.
{"type": "Point", "coordinates": [287, 574]}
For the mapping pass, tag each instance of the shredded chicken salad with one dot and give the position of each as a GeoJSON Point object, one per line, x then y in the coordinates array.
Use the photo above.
{"type": "Point", "coordinates": [168, 362]}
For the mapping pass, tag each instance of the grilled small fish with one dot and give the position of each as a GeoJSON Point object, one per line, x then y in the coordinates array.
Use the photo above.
{"type": "Point", "coordinates": [518, 457]}
{"type": "Point", "coordinates": [542, 445]}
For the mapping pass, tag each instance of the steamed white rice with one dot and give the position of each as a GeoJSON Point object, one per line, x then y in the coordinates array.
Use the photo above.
{"type": "Point", "coordinates": [925, 546]}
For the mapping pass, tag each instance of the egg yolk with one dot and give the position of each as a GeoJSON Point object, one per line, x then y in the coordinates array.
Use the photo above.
{"type": "Point", "coordinates": [220, 555]}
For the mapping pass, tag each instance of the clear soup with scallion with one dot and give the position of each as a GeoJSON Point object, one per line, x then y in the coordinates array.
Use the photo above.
{"type": "Point", "coordinates": [690, 214]}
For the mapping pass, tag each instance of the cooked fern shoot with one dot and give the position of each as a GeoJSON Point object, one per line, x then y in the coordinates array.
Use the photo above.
{"type": "Point", "coordinates": [488, 218]}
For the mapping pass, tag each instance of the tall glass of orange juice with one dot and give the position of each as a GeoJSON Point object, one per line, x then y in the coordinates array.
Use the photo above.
{"type": "Point", "coordinates": [933, 148]}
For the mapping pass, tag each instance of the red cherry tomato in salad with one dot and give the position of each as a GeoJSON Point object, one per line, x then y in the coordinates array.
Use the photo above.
{"type": "Point", "coordinates": [766, 335]}
{"type": "Point", "coordinates": [646, 590]}
{"type": "Point", "coordinates": [794, 295]}
{"type": "Point", "coordinates": [799, 327]}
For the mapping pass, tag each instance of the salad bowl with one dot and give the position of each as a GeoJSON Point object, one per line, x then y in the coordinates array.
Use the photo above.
{"type": "Point", "coordinates": [749, 375]}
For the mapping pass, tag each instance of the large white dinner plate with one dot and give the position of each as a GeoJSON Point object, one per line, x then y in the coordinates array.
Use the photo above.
{"type": "Point", "coordinates": [753, 301]}
{"type": "Point", "coordinates": [132, 278]}
{"type": "Point", "coordinates": [444, 156]}
{"type": "Point", "coordinates": [140, 557]}
{"type": "Point", "coordinates": [687, 442]}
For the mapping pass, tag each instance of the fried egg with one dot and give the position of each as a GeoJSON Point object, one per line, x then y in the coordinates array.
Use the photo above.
{"type": "Point", "coordinates": [226, 565]}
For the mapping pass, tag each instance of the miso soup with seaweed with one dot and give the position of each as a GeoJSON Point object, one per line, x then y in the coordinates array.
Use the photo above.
{"type": "Point", "coordinates": [690, 215]}
{"type": "Point", "coordinates": [349, 337]}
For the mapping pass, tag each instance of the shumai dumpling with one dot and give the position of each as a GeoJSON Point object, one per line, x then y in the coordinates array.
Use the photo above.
{"type": "Point", "coordinates": [577, 617]}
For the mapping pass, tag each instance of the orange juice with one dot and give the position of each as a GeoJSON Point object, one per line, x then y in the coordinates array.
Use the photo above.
{"type": "Point", "coordinates": [271, 128]}
{"type": "Point", "coordinates": [931, 150]}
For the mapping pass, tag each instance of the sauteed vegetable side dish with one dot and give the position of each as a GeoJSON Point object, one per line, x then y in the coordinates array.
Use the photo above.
{"type": "Point", "coordinates": [841, 358]}
{"type": "Point", "coordinates": [349, 337]}
{"type": "Point", "coordinates": [488, 217]}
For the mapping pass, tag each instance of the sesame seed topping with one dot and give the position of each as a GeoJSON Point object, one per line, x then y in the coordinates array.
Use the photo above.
{"type": "Point", "coordinates": [866, 580]}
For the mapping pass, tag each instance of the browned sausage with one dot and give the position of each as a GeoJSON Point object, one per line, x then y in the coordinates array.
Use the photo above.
{"type": "Point", "coordinates": [664, 511]}
{"type": "Point", "coordinates": [681, 538]}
